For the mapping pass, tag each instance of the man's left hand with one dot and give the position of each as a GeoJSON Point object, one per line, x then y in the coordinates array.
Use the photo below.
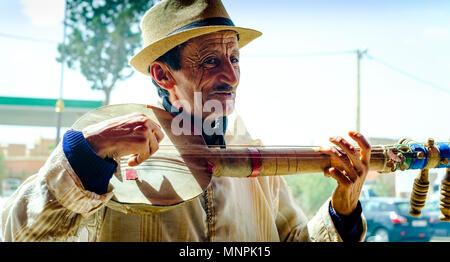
{"type": "Point", "coordinates": [349, 167]}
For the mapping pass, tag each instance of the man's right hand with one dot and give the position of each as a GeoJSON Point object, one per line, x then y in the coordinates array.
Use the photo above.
{"type": "Point", "coordinates": [134, 134]}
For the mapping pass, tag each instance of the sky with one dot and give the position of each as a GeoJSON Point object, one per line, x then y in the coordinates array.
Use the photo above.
{"type": "Point", "coordinates": [298, 80]}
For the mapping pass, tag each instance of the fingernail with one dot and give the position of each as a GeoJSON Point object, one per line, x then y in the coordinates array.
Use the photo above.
{"type": "Point", "coordinates": [353, 133]}
{"type": "Point", "coordinates": [336, 151]}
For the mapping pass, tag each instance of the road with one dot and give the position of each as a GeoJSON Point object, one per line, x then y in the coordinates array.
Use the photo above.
{"type": "Point", "coordinates": [440, 239]}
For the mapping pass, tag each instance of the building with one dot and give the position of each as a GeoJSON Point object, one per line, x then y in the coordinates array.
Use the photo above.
{"type": "Point", "coordinates": [20, 162]}
{"type": "Point", "coordinates": [17, 162]}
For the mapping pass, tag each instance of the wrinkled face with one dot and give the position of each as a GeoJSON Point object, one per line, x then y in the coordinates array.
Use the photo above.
{"type": "Point", "coordinates": [209, 75]}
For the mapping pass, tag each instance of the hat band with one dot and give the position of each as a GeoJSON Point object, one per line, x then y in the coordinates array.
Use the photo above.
{"type": "Point", "coordinates": [211, 21]}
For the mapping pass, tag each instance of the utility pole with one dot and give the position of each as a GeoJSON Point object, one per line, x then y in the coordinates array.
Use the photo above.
{"type": "Point", "coordinates": [359, 55]}
{"type": "Point", "coordinates": [60, 103]}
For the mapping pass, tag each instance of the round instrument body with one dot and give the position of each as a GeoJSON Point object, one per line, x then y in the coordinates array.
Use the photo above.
{"type": "Point", "coordinates": [163, 181]}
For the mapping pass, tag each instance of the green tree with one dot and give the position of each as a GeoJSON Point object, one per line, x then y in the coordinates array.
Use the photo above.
{"type": "Point", "coordinates": [310, 191]}
{"type": "Point", "coordinates": [2, 166]}
{"type": "Point", "coordinates": [2, 171]}
{"type": "Point", "coordinates": [102, 35]}
{"type": "Point", "coordinates": [383, 186]}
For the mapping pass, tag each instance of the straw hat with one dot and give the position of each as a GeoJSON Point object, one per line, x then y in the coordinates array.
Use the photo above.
{"type": "Point", "coordinates": [173, 22]}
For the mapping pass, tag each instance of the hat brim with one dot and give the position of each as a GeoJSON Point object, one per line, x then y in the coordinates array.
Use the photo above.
{"type": "Point", "coordinates": [150, 53]}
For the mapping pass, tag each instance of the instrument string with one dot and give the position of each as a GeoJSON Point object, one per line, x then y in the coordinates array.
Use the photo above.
{"type": "Point", "coordinates": [305, 152]}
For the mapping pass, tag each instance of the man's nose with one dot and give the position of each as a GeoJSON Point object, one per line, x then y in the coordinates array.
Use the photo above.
{"type": "Point", "coordinates": [229, 74]}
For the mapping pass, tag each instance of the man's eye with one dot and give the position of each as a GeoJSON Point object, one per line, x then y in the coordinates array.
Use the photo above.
{"type": "Point", "coordinates": [211, 61]}
{"type": "Point", "coordinates": [234, 60]}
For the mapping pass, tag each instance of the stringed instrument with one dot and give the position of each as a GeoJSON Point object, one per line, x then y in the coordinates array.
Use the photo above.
{"type": "Point", "coordinates": [182, 168]}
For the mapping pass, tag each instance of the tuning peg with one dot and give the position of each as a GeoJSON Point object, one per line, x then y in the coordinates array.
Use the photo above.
{"type": "Point", "coordinates": [445, 198]}
{"type": "Point", "coordinates": [419, 193]}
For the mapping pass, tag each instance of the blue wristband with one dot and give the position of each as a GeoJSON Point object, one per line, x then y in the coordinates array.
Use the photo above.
{"type": "Point", "coordinates": [93, 171]}
{"type": "Point", "coordinates": [349, 227]}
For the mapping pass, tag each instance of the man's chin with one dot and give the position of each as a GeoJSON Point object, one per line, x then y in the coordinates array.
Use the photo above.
{"type": "Point", "coordinates": [228, 108]}
{"type": "Point", "coordinates": [219, 105]}
{"type": "Point", "coordinates": [226, 111]}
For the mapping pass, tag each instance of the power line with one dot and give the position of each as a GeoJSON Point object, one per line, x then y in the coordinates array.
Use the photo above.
{"type": "Point", "coordinates": [409, 75]}
{"type": "Point", "coordinates": [326, 53]}
{"type": "Point", "coordinates": [27, 38]}
{"type": "Point", "coordinates": [329, 53]}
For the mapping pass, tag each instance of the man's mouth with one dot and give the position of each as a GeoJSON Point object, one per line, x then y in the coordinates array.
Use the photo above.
{"type": "Point", "coordinates": [224, 94]}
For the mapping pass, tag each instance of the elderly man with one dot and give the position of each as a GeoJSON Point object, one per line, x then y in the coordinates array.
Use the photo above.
{"type": "Point", "coordinates": [191, 48]}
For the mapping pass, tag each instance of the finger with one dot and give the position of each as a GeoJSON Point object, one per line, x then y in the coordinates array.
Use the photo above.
{"type": "Point", "coordinates": [146, 149]}
{"type": "Point", "coordinates": [146, 152]}
{"type": "Point", "coordinates": [363, 144]}
{"type": "Point", "coordinates": [350, 150]}
{"type": "Point", "coordinates": [344, 162]}
{"type": "Point", "coordinates": [326, 172]}
{"type": "Point", "coordinates": [133, 160]}
{"type": "Point", "coordinates": [339, 176]}
{"type": "Point", "coordinates": [153, 144]}
{"type": "Point", "coordinates": [138, 119]}
{"type": "Point", "coordinates": [155, 130]}
{"type": "Point", "coordinates": [137, 159]}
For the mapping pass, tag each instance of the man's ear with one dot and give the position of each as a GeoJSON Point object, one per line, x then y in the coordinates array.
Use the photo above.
{"type": "Point", "coordinates": [162, 75]}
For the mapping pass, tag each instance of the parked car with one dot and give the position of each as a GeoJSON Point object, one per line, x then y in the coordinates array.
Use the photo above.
{"type": "Point", "coordinates": [367, 192]}
{"type": "Point", "coordinates": [438, 227]}
{"type": "Point", "coordinates": [388, 220]}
